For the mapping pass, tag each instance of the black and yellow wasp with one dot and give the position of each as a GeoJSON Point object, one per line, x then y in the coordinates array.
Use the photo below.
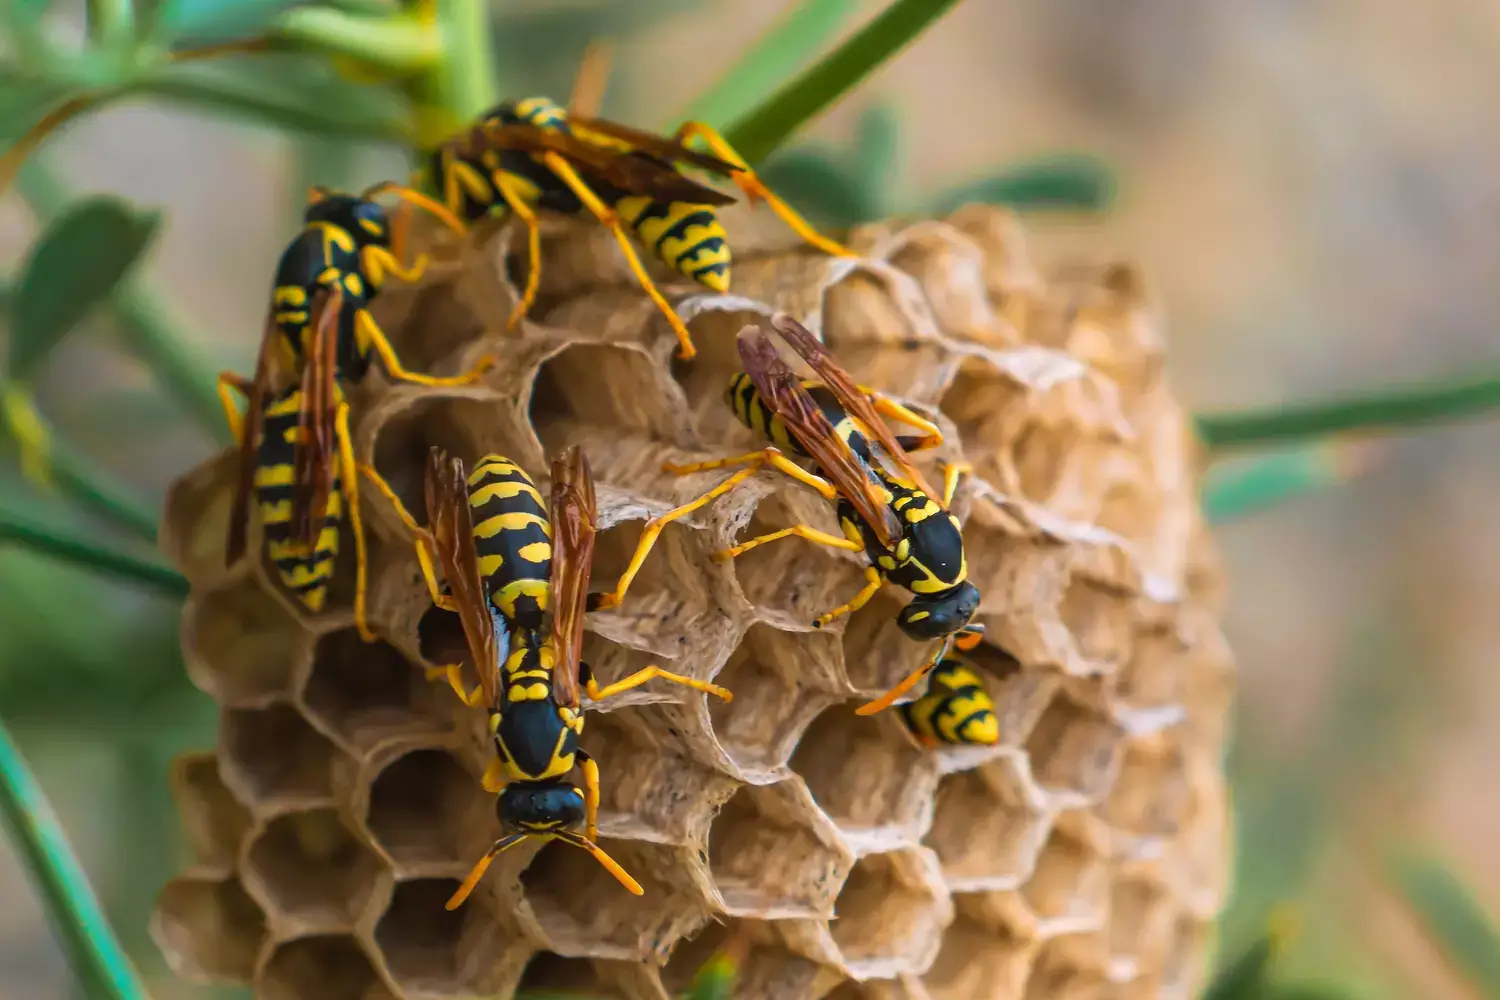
{"type": "Point", "coordinates": [955, 709]}
{"type": "Point", "coordinates": [528, 155]}
{"type": "Point", "coordinates": [885, 508]}
{"type": "Point", "coordinates": [295, 452]}
{"type": "Point", "coordinates": [517, 574]}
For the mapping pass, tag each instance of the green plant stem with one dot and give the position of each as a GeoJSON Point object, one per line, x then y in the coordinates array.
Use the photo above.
{"type": "Point", "coordinates": [111, 23]}
{"type": "Point", "coordinates": [1393, 408]}
{"type": "Point", "coordinates": [78, 478]}
{"type": "Point", "coordinates": [146, 326]}
{"type": "Point", "coordinates": [757, 135]}
{"type": "Point", "coordinates": [50, 541]}
{"type": "Point", "coordinates": [467, 84]}
{"type": "Point", "coordinates": [96, 954]}
{"type": "Point", "coordinates": [1244, 489]}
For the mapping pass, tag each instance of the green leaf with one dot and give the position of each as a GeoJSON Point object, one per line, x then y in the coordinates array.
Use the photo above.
{"type": "Point", "coordinates": [57, 543]}
{"type": "Point", "coordinates": [756, 135]}
{"type": "Point", "coordinates": [1454, 922]}
{"type": "Point", "coordinates": [1309, 991]}
{"type": "Point", "coordinates": [819, 187]}
{"type": "Point", "coordinates": [97, 958]}
{"type": "Point", "coordinates": [877, 157]}
{"type": "Point", "coordinates": [1248, 975]}
{"type": "Point", "coordinates": [1062, 181]}
{"type": "Point", "coordinates": [395, 43]}
{"type": "Point", "coordinates": [770, 60]}
{"type": "Point", "coordinates": [1383, 409]}
{"type": "Point", "coordinates": [204, 22]}
{"type": "Point", "coordinates": [73, 266]}
{"type": "Point", "coordinates": [1241, 490]}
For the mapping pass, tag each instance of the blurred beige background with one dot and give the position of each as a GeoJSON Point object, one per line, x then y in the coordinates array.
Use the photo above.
{"type": "Point", "coordinates": [1313, 188]}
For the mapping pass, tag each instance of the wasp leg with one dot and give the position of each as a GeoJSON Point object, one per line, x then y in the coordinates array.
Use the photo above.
{"type": "Point", "coordinates": [756, 190]}
{"type": "Point", "coordinates": [506, 186]}
{"type": "Point", "coordinates": [493, 779]}
{"type": "Point", "coordinates": [932, 435]}
{"type": "Point", "coordinates": [635, 680]}
{"type": "Point", "coordinates": [453, 674]}
{"type": "Point", "coordinates": [590, 795]}
{"type": "Point", "coordinates": [608, 218]}
{"type": "Point", "coordinates": [952, 473]}
{"type": "Point", "coordinates": [228, 384]}
{"type": "Point", "coordinates": [411, 196]}
{"type": "Point", "coordinates": [361, 558]}
{"type": "Point", "coordinates": [908, 682]}
{"type": "Point", "coordinates": [378, 262]}
{"type": "Point", "coordinates": [480, 867]}
{"type": "Point", "coordinates": [392, 364]}
{"type": "Point", "coordinates": [800, 531]}
{"type": "Point", "coordinates": [766, 456]}
{"type": "Point", "coordinates": [420, 537]}
{"type": "Point", "coordinates": [873, 583]}
{"type": "Point", "coordinates": [653, 530]}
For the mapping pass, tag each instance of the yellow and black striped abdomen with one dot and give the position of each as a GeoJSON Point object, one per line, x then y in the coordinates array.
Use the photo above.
{"type": "Point", "coordinates": [752, 411]}
{"type": "Point", "coordinates": [687, 238]}
{"type": "Point", "coordinates": [513, 536]}
{"type": "Point", "coordinates": [302, 571]}
{"type": "Point", "coordinates": [955, 709]}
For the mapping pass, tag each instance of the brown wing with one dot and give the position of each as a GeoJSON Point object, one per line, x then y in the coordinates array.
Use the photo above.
{"type": "Point", "coordinates": [781, 389]}
{"type": "Point", "coordinates": [846, 391]}
{"type": "Point", "coordinates": [653, 144]}
{"type": "Point", "coordinates": [450, 523]}
{"type": "Point", "coordinates": [573, 528]}
{"type": "Point", "coordinates": [625, 169]}
{"type": "Point", "coordinates": [314, 465]}
{"type": "Point", "coordinates": [244, 486]}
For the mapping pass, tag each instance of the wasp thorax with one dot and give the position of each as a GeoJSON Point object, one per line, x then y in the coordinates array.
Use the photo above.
{"type": "Point", "coordinates": [539, 806]}
{"type": "Point", "coordinates": [933, 616]}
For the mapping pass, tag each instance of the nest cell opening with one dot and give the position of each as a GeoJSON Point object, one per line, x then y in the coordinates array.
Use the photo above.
{"type": "Point", "coordinates": [329, 967]}
{"type": "Point", "coordinates": [691, 954]}
{"type": "Point", "coordinates": [767, 860]}
{"type": "Point", "coordinates": [979, 963]}
{"type": "Point", "coordinates": [433, 951]}
{"type": "Point", "coordinates": [669, 596]}
{"type": "Point", "coordinates": [550, 974]}
{"type": "Point", "coordinates": [582, 909]}
{"type": "Point", "coordinates": [1152, 678]}
{"type": "Point", "coordinates": [885, 924]}
{"type": "Point", "coordinates": [309, 868]}
{"type": "Point", "coordinates": [986, 830]}
{"type": "Point", "coordinates": [1058, 976]}
{"type": "Point", "coordinates": [1142, 915]}
{"type": "Point", "coordinates": [421, 808]}
{"type": "Point", "coordinates": [195, 524]}
{"type": "Point", "coordinates": [1100, 620]}
{"type": "Point", "coordinates": [242, 647]}
{"type": "Point", "coordinates": [272, 756]}
{"type": "Point", "coordinates": [773, 703]}
{"type": "Point", "coordinates": [982, 407]}
{"type": "Point", "coordinates": [617, 388]}
{"type": "Point", "coordinates": [210, 930]}
{"type": "Point", "coordinates": [1074, 752]}
{"type": "Point", "coordinates": [877, 654]}
{"type": "Point", "coordinates": [863, 771]}
{"type": "Point", "coordinates": [1151, 795]}
{"type": "Point", "coordinates": [1070, 887]}
{"type": "Point", "coordinates": [214, 821]}
{"type": "Point", "coordinates": [438, 321]}
{"type": "Point", "coordinates": [791, 577]}
{"type": "Point", "coordinates": [363, 692]}
{"type": "Point", "coordinates": [464, 427]}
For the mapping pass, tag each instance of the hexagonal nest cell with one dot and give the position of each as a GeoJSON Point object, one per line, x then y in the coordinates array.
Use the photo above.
{"type": "Point", "coordinates": [342, 804]}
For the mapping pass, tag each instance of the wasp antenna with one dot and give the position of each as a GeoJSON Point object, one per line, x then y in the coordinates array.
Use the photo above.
{"type": "Point", "coordinates": [480, 867]}
{"type": "Point", "coordinates": [609, 863]}
{"type": "Point", "coordinates": [592, 80]}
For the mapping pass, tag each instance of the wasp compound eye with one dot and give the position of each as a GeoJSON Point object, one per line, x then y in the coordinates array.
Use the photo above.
{"type": "Point", "coordinates": [934, 616]}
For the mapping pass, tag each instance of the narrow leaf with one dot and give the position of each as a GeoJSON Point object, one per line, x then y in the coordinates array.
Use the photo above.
{"type": "Point", "coordinates": [1463, 933]}
{"type": "Point", "coordinates": [75, 913]}
{"type": "Point", "coordinates": [59, 544]}
{"type": "Point", "coordinates": [396, 45]}
{"type": "Point", "coordinates": [877, 153]}
{"type": "Point", "coordinates": [1387, 409]}
{"type": "Point", "coordinates": [1248, 975]}
{"type": "Point", "coordinates": [1248, 488]}
{"type": "Point", "coordinates": [1064, 181]}
{"type": "Point", "coordinates": [759, 132]}
{"type": "Point", "coordinates": [74, 266]}
{"type": "Point", "coordinates": [819, 187]}
{"type": "Point", "coordinates": [770, 60]}
{"type": "Point", "coordinates": [203, 22]}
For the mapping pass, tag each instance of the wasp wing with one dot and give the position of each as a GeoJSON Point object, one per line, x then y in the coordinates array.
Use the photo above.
{"type": "Point", "coordinates": [854, 402]}
{"type": "Point", "coordinates": [781, 389]}
{"type": "Point", "coordinates": [626, 169]}
{"type": "Point", "coordinates": [574, 524]}
{"type": "Point", "coordinates": [450, 523]}
{"type": "Point", "coordinates": [653, 144]}
{"type": "Point", "coordinates": [255, 406]}
{"type": "Point", "coordinates": [317, 443]}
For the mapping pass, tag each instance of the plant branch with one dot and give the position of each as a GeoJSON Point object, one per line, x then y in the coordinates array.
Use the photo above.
{"type": "Point", "coordinates": [50, 541]}
{"type": "Point", "coordinates": [1388, 409]}
{"type": "Point", "coordinates": [75, 913]}
{"type": "Point", "coordinates": [1232, 493]}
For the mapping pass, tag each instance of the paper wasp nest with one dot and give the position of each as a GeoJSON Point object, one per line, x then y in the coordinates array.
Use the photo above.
{"type": "Point", "coordinates": [1082, 857]}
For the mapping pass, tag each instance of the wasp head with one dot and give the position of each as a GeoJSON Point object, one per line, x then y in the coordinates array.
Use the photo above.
{"type": "Point", "coordinates": [365, 220]}
{"type": "Point", "coordinates": [539, 807]}
{"type": "Point", "coordinates": [933, 616]}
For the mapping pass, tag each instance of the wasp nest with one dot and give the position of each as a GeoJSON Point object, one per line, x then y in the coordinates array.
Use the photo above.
{"type": "Point", "coordinates": [1083, 856]}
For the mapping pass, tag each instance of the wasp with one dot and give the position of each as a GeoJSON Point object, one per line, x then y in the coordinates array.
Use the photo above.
{"type": "Point", "coordinates": [955, 709]}
{"type": "Point", "coordinates": [294, 446]}
{"type": "Point", "coordinates": [517, 575]}
{"type": "Point", "coordinates": [528, 155]}
{"type": "Point", "coordinates": [885, 508]}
